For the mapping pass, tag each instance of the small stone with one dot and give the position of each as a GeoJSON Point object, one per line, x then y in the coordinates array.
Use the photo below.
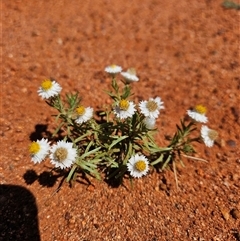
{"type": "Point", "coordinates": [235, 213]}
{"type": "Point", "coordinates": [231, 143]}
{"type": "Point", "coordinates": [19, 129]}
{"type": "Point", "coordinates": [67, 216]}
{"type": "Point", "coordinates": [35, 33]}
{"type": "Point", "coordinates": [225, 213]}
{"type": "Point", "coordinates": [235, 112]}
{"type": "Point", "coordinates": [222, 143]}
{"type": "Point", "coordinates": [72, 220]}
{"type": "Point", "coordinates": [59, 41]}
{"type": "Point", "coordinates": [224, 158]}
{"type": "Point", "coordinates": [163, 186]}
{"type": "Point", "coordinates": [108, 101]}
{"type": "Point", "coordinates": [91, 188]}
{"type": "Point", "coordinates": [235, 177]}
{"type": "Point", "coordinates": [24, 90]}
{"type": "Point", "coordinates": [96, 225]}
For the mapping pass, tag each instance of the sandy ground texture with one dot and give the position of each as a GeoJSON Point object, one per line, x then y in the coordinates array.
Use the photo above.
{"type": "Point", "coordinates": [186, 52]}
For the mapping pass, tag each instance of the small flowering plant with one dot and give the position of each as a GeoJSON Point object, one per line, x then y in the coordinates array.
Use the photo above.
{"type": "Point", "coordinates": [119, 140]}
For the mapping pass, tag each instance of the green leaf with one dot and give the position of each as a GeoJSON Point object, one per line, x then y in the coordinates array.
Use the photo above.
{"type": "Point", "coordinates": [81, 137]}
{"type": "Point", "coordinates": [126, 92]}
{"type": "Point", "coordinates": [157, 160]}
{"type": "Point", "coordinates": [71, 173]}
{"type": "Point", "coordinates": [166, 162]}
{"type": "Point", "coordinates": [117, 141]}
{"type": "Point", "coordinates": [230, 4]}
{"type": "Point", "coordinates": [90, 152]}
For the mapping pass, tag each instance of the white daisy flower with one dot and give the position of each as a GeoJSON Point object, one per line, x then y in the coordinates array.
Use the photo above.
{"type": "Point", "coordinates": [150, 122]}
{"type": "Point", "coordinates": [130, 76]}
{"type": "Point", "coordinates": [198, 113]}
{"type": "Point", "coordinates": [39, 150]}
{"type": "Point", "coordinates": [138, 166]}
{"type": "Point", "coordinates": [208, 135]}
{"type": "Point", "coordinates": [49, 89]}
{"type": "Point", "coordinates": [83, 114]}
{"type": "Point", "coordinates": [124, 109]}
{"type": "Point", "coordinates": [62, 154]}
{"type": "Point", "coordinates": [152, 107]}
{"type": "Point", "coordinates": [113, 69]}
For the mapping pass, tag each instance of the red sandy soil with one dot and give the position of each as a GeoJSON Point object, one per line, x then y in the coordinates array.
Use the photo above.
{"type": "Point", "coordinates": [186, 52]}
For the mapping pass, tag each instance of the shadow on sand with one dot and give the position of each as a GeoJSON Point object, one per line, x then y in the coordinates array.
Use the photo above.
{"type": "Point", "coordinates": [18, 214]}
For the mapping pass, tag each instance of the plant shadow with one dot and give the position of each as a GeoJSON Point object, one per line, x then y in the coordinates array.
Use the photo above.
{"type": "Point", "coordinates": [41, 131]}
{"type": "Point", "coordinates": [50, 178]}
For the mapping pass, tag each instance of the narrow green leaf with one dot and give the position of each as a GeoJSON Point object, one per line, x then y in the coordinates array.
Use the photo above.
{"type": "Point", "coordinates": [167, 161]}
{"type": "Point", "coordinates": [90, 152]}
{"type": "Point", "coordinates": [157, 160]}
{"type": "Point", "coordinates": [117, 141]}
{"type": "Point", "coordinates": [71, 173]}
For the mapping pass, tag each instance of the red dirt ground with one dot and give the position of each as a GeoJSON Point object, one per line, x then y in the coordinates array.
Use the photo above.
{"type": "Point", "coordinates": [186, 52]}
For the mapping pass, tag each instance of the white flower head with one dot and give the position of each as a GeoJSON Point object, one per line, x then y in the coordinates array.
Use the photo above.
{"type": "Point", "coordinates": [39, 150]}
{"type": "Point", "coordinates": [83, 114]}
{"type": "Point", "coordinates": [130, 76]}
{"type": "Point", "coordinates": [49, 88]}
{"type": "Point", "coordinates": [208, 135]}
{"type": "Point", "coordinates": [138, 165]}
{"type": "Point", "coordinates": [151, 108]}
{"type": "Point", "coordinates": [63, 154]}
{"type": "Point", "coordinates": [198, 113]}
{"type": "Point", "coordinates": [113, 69]}
{"type": "Point", "coordinates": [124, 109]}
{"type": "Point", "coordinates": [150, 122]}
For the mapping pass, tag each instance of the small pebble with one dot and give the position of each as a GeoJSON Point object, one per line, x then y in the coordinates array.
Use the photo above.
{"type": "Point", "coordinates": [67, 216]}
{"type": "Point", "coordinates": [91, 188]}
{"type": "Point", "coordinates": [222, 143]}
{"type": "Point", "coordinates": [162, 186]}
{"type": "Point", "coordinates": [235, 177]}
{"type": "Point", "coordinates": [24, 90]}
{"type": "Point", "coordinates": [235, 213]}
{"type": "Point", "coordinates": [231, 143]}
{"type": "Point", "coordinates": [59, 41]}
{"type": "Point", "coordinates": [35, 33]}
{"type": "Point", "coordinates": [225, 213]}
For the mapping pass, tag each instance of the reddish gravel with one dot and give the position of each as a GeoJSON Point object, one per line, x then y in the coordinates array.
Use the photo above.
{"type": "Point", "coordinates": [186, 52]}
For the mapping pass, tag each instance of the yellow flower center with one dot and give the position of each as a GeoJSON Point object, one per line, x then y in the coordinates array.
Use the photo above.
{"type": "Point", "coordinates": [80, 110]}
{"type": "Point", "coordinates": [60, 154]}
{"type": "Point", "coordinates": [140, 165]}
{"type": "Point", "coordinates": [152, 105]}
{"type": "Point", "coordinates": [123, 104]}
{"type": "Point", "coordinates": [34, 148]}
{"type": "Point", "coordinates": [113, 66]}
{"type": "Point", "coordinates": [46, 84]}
{"type": "Point", "coordinates": [212, 134]}
{"type": "Point", "coordinates": [200, 109]}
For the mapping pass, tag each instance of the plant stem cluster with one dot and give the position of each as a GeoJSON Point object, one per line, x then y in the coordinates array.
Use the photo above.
{"type": "Point", "coordinates": [114, 142]}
